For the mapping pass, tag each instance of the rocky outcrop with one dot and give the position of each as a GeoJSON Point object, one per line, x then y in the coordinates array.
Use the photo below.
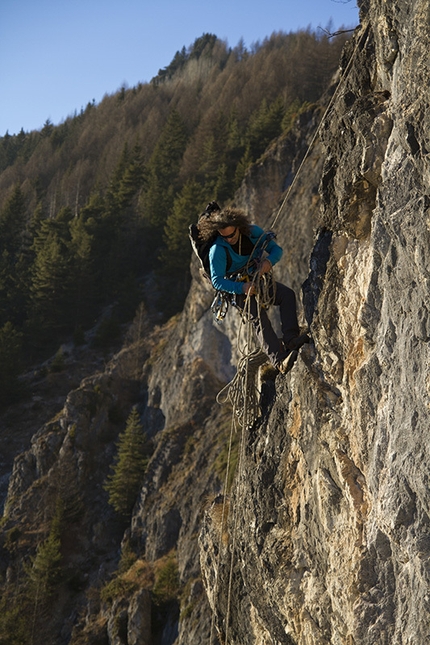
{"type": "Point", "coordinates": [332, 503]}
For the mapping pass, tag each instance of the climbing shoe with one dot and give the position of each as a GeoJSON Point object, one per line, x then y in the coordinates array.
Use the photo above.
{"type": "Point", "coordinates": [288, 362]}
{"type": "Point", "coordinates": [298, 341]}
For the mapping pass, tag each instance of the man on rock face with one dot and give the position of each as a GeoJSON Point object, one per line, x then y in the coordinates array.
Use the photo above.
{"type": "Point", "coordinates": [237, 242]}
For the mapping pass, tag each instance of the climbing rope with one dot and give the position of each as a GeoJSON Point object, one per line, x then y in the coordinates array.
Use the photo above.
{"type": "Point", "coordinates": [242, 391]}
{"type": "Point", "coordinates": [237, 393]}
{"type": "Point", "coordinates": [317, 131]}
{"type": "Point", "coordinates": [240, 481]}
{"type": "Point", "coordinates": [223, 524]}
{"type": "Point", "coordinates": [243, 398]}
{"type": "Point", "coordinates": [245, 422]}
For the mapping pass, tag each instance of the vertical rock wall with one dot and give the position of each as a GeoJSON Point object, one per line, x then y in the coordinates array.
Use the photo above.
{"type": "Point", "coordinates": [330, 515]}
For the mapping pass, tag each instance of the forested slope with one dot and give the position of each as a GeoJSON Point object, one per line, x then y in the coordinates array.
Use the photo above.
{"type": "Point", "coordinates": [91, 206]}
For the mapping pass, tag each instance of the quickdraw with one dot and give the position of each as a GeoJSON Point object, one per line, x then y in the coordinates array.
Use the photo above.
{"type": "Point", "coordinates": [220, 305]}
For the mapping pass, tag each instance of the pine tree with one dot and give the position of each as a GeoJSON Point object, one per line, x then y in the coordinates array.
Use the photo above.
{"type": "Point", "coordinates": [83, 289]}
{"type": "Point", "coordinates": [223, 184]}
{"type": "Point", "coordinates": [45, 570]}
{"type": "Point", "coordinates": [242, 166]}
{"type": "Point", "coordinates": [265, 125]}
{"type": "Point", "coordinates": [124, 483]}
{"type": "Point", "coordinates": [26, 616]}
{"type": "Point", "coordinates": [10, 363]}
{"type": "Point", "coordinates": [163, 171]}
{"type": "Point", "coordinates": [131, 180]}
{"type": "Point", "coordinates": [235, 145]}
{"type": "Point", "coordinates": [44, 576]}
{"type": "Point", "coordinates": [12, 226]}
{"type": "Point", "coordinates": [176, 254]}
{"type": "Point", "coordinates": [12, 222]}
{"type": "Point", "coordinates": [51, 278]}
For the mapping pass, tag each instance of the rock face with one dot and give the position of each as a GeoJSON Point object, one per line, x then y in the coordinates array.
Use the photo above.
{"type": "Point", "coordinates": [331, 507]}
{"type": "Point", "coordinates": [323, 536]}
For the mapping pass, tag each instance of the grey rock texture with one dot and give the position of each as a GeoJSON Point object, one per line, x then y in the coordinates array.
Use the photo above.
{"type": "Point", "coordinates": [332, 497]}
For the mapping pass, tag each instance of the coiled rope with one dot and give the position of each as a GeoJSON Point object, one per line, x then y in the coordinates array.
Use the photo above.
{"type": "Point", "coordinates": [241, 391]}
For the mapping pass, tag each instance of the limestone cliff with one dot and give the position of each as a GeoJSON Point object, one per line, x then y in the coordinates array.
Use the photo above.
{"type": "Point", "coordinates": [327, 536]}
{"type": "Point", "coordinates": [332, 537]}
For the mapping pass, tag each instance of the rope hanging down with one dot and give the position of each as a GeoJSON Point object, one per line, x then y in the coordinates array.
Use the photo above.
{"type": "Point", "coordinates": [245, 414]}
{"type": "Point", "coordinates": [239, 392]}
{"type": "Point", "coordinates": [317, 131]}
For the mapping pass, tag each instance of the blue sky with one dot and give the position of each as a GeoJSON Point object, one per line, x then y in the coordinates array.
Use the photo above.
{"type": "Point", "coordinates": [57, 55]}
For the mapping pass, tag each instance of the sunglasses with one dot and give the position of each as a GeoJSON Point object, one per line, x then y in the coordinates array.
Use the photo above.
{"type": "Point", "coordinates": [228, 237]}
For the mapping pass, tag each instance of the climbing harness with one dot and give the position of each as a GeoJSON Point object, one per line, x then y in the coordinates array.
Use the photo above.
{"type": "Point", "coordinates": [248, 273]}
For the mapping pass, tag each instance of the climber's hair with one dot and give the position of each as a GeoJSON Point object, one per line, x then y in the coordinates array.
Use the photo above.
{"type": "Point", "coordinates": [223, 218]}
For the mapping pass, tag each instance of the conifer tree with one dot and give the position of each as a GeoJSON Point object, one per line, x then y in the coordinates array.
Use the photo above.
{"type": "Point", "coordinates": [45, 570]}
{"type": "Point", "coordinates": [223, 184]}
{"type": "Point", "coordinates": [83, 288]}
{"type": "Point", "coordinates": [12, 222]}
{"type": "Point", "coordinates": [176, 254]}
{"type": "Point", "coordinates": [265, 125]}
{"type": "Point", "coordinates": [242, 166]}
{"type": "Point", "coordinates": [235, 147]}
{"type": "Point", "coordinates": [211, 155]}
{"type": "Point", "coordinates": [131, 180]}
{"type": "Point", "coordinates": [51, 278]}
{"type": "Point", "coordinates": [117, 175]}
{"type": "Point", "coordinates": [163, 171]}
{"type": "Point", "coordinates": [44, 575]}
{"type": "Point", "coordinates": [10, 363]}
{"type": "Point", "coordinates": [124, 483]}
{"type": "Point", "coordinates": [12, 226]}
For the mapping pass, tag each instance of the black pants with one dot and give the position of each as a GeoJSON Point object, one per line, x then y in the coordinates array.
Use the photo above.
{"type": "Point", "coordinates": [285, 299]}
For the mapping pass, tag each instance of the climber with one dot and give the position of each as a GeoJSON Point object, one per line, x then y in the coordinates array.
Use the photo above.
{"type": "Point", "coordinates": [237, 243]}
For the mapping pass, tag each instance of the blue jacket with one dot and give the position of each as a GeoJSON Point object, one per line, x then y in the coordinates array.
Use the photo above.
{"type": "Point", "coordinates": [218, 260]}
